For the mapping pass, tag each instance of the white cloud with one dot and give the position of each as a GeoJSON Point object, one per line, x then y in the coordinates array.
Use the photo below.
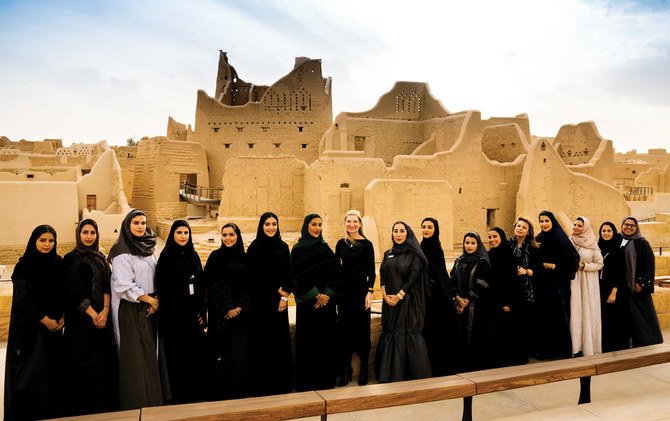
{"type": "Point", "coordinates": [86, 71]}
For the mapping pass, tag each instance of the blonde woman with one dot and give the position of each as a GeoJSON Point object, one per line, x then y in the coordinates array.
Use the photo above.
{"type": "Point", "coordinates": [357, 257]}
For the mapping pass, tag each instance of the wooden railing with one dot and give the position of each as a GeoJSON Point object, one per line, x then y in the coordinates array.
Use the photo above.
{"type": "Point", "coordinates": [637, 193]}
{"type": "Point", "coordinates": [349, 399]}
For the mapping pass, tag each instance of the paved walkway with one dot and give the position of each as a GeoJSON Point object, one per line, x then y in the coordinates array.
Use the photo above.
{"type": "Point", "coordinates": [642, 395]}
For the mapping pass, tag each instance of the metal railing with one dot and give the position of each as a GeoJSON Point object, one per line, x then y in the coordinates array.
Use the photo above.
{"type": "Point", "coordinates": [200, 195]}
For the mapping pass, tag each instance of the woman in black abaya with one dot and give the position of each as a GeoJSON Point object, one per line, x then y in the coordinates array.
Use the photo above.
{"type": "Point", "coordinates": [470, 280]}
{"type": "Point", "coordinates": [33, 378]}
{"type": "Point", "coordinates": [401, 352]}
{"type": "Point", "coordinates": [314, 271]}
{"type": "Point", "coordinates": [229, 304]}
{"type": "Point", "coordinates": [559, 263]}
{"type": "Point", "coordinates": [92, 363]}
{"type": "Point", "coordinates": [506, 313]}
{"type": "Point", "coordinates": [614, 293]}
{"type": "Point", "coordinates": [181, 321]}
{"type": "Point", "coordinates": [269, 278]}
{"type": "Point", "coordinates": [441, 331]}
{"type": "Point", "coordinates": [640, 271]}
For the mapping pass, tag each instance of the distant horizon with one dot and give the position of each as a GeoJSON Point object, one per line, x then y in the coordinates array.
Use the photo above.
{"type": "Point", "coordinates": [86, 71]}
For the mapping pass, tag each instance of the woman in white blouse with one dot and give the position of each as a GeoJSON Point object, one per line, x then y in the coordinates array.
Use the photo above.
{"type": "Point", "coordinates": [133, 306]}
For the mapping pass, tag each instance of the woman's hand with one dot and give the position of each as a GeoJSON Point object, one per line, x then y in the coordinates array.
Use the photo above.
{"type": "Point", "coordinates": [232, 313]}
{"type": "Point", "coordinates": [283, 300]}
{"type": "Point", "coordinates": [100, 320]}
{"type": "Point", "coordinates": [461, 303]}
{"type": "Point", "coordinates": [368, 301]}
{"type": "Point", "coordinates": [551, 266]}
{"type": "Point", "coordinates": [611, 298]}
{"type": "Point", "coordinates": [506, 309]}
{"type": "Point", "coordinates": [521, 271]}
{"type": "Point", "coordinates": [392, 299]}
{"type": "Point", "coordinates": [321, 300]}
{"type": "Point", "coordinates": [51, 324]}
{"type": "Point", "coordinates": [153, 306]}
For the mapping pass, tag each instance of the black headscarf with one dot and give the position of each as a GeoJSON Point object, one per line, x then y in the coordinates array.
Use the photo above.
{"type": "Point", "coordinates": [556, 233]}
{"type": "Point", "coordinates": [434, 241]}
{"type": "Point", "coordinates": [432, 249]}
{"type": "Point", "coordinates": [466, 261]}
{"type": "Point", "coordinates": [43, 272]}
{"type": "Point", "coordinates": [33, 262]}
{"type": "Point", "coordinates": [128, 243]}
{"type": "Point", "coordinates": [238, 247]}
{"type": "Point", "coordinates": [612, 245]}
{"type": "Point", "coordinates": [411, 244]}
{"type": "Point", "coordinates": [261, 237]}
{"type": "Point", "coordinates": [478, 254]}
{"type": "Point", "coordinates": [96, 260]}
{"type": "Point", "coordinates": [558, 240]}
{"type": "Point", "coordinates": [504, 250]}
{"type": "Point", "coordinates": [175, 251]}
{"type": "Point", "coordinates": [306, 240]}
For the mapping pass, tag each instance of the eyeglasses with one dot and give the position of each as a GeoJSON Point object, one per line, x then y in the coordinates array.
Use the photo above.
{"type": "Point", "coordinates": [629, 225]}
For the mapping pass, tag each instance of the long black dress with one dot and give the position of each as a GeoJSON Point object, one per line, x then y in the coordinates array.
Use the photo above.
{"type": "Point", "coordinates": [227, 280]}
{"type": "Point", "coordinates": [470, 274]}
{"type": "Point", "coordinates": [314, 271]}
{"type": "Point", "coordinates": [441, 330]}
{"type": "Point", "coordinates": [553, 292]}
{"type": "Point", "coordinates": [91, 353]}
{"type": "Point", "coordinates": [508, 339]}
{"type": "Point", "coordinates": [401, 352]}
{"type": "Point", "coordinates": [358, 276]}
{"type": "Point", "coordinates": [181, 319]}
{"type": "Point", "coordinates": [35, 355]}
{"type": "Point", "coordinates": [640, 270]}
{"type": "Point", "coordinates": [615, 316]}
{"type": "Point", "coordinates": [270, 352]}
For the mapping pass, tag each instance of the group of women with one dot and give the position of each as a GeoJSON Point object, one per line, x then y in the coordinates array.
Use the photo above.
{"type": "Point", "coordinates": [90, 333]}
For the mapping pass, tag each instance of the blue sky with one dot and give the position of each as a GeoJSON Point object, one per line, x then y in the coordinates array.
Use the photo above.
{"type": "Point", "coordinates": [85, 71]}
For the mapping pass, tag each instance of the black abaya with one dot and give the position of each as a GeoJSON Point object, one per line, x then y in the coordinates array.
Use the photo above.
{"type": "Point", "coordinates": [92, 361]}
{"type": "Point", "coordinates": [226, 274]}
{"type": "Point", "coordinates": [270, 351]}
{"type": "Point", "coordinates": [441, 330]}
{"type": "Point", "coordinates": [314, 271]}
{"type": "Point", "coordinates": [35, 355]}
{"type": "Point", "coordinates": [401, 352]}
{"type": "Point", "coordinates": [181, 319]}
{"type": "Point", "coordinates": [506, 309]}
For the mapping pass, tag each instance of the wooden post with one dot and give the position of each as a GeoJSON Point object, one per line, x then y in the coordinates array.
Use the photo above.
{"type": "Point", "coordinates": [584, 390]}
{"type": "Point", "coordinates": [467, 408]}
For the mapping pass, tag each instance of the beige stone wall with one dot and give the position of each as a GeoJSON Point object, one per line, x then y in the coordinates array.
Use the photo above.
{"type": "Point", "coordinates": [576, 144]}
{"type": "Point", "coordinates": [158, 166]}
{"type": "Point", "coordinates": [288, 119]}
{"type": "Point", "coordinates": [41, 174]}
{"type": "Point", "coordinates": [53, 203]}
{"type": "Point", "coordinates": [625, 172]}
{"type": "Point", "coordinates": [600, 164]}
{"type": "Point", "coordinates": [391, 200]}
{"type": "Point", "coordinates": [655, 158]}
{"type": "Point", "coordinates": [548, 184]}
{"type": "Point", "coordinates": [503, 143]}
{"type": "Point", "coordinates": [652, 207]}
{"type": "Point", "coordinates": [254, 185]}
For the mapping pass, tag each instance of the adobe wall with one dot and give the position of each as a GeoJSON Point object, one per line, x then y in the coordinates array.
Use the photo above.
{"type": "Point", "coordinates": [289, 118]}
{"type": "Point", "coordinates": [656, 158]}
{"type": "Point", "coordinates": [158, 166]}
{"type": "Point", "coordinates": [102, 182]}
{"type": "Point", "coordinates": [625, 173]}
{"type": "Point", "coordinates": [29, 204]}
{"type": "Point", "coordinates": [657, 179]}
{"type": "Point", "coordinates": [254, 185]}
{"type": "Point", "coordinates": [391, 200]}
{"type": "Point", "coordinates": [599, 162]}
{"type": "Point", "coordinates": [483, 191]}
{"type": "Point", "coordinates": [576, 144]}
{"type": "Point", "coordinates": [43, 174]}
{"type": "Point", "coordinates": [547, 183]}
